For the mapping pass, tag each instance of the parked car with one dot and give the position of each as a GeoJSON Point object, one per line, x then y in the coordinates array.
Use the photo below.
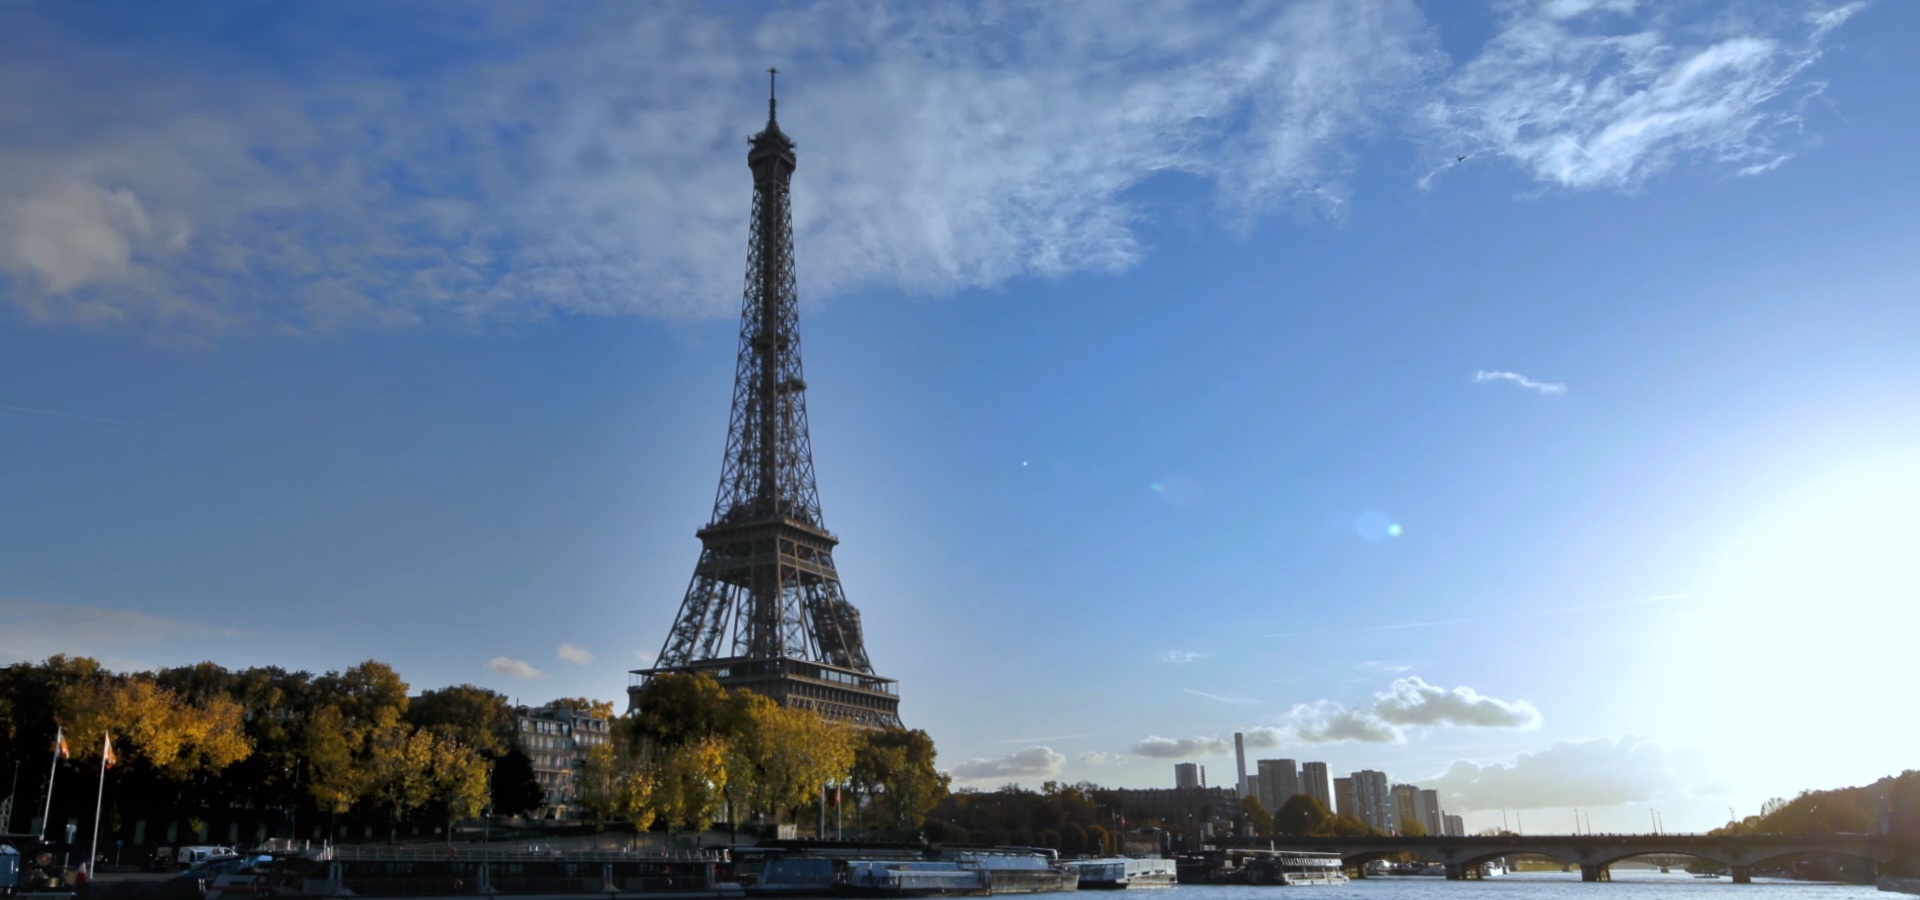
{"type": "Point", "coordinates": [192, 884]}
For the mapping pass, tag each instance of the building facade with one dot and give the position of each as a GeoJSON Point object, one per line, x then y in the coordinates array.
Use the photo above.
{"type": "Point", "coordinates": [1316, 782]}
{"type": "Point", "coordinates": [1343, 801]}
{"type": "Point", "coordinates": [1279, 781]}
{"type": "Point", "coordinates": [1455, 826]}
{"type": "Point", "coordinates": [1188, 776]}
{"type": "Point", "coordinates": [1374, 801]}
{"type": "Point", "coordinates": [1177, 807]}
{"type": "Point", "coordinates": [557, 740]}
{"type": "Point", "coordinates": [1427, 804]}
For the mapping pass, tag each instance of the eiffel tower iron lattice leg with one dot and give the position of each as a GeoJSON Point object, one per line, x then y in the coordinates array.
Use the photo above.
{"type": "Point", "coordinates": [765, 610]}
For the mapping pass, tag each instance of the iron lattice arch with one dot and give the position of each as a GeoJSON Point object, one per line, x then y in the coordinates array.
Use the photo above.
{"type": "Point", "coordinates": [765, 609]}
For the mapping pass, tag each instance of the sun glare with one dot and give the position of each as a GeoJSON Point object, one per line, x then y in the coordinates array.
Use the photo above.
{"type": "Point", "coordinates": [1807, 620]}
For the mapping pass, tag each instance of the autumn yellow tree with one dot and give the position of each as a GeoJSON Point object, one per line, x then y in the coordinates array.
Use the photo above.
{"type": "Point", "coordinates": [176, 738]}
{"type": "Point", "coordinates": [785, 755]}
{"type": "Point", "coordinates": [691, 782]}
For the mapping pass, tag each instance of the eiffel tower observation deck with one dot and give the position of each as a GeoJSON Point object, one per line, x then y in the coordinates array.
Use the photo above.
{"type": "Point", "coordinates": [765, 610]}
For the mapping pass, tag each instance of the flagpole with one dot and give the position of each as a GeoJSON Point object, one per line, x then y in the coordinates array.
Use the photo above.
{"type": "Point", "coordinates": [93, 843]}
{"type": "Point", "coordinates": [46, 812]}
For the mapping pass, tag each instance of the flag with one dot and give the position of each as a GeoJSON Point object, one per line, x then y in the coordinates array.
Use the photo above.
{"type": "Point", "coordinates": [106, 751]}
{"type": "Point", "coordinates": [59, 742]}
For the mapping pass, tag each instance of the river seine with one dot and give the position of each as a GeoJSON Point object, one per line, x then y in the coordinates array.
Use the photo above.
{"type": "Point", "coordinates": [1627, 884]}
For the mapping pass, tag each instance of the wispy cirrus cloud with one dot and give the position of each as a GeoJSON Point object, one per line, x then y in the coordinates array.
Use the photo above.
{"type": "Point", "coordinates": [1183, 657]}
{"type": "Point", "coordinates": [32, 630]}
{"type": "Point", "coordinates": [515, 668]}
{"type": "Point", "coordinates": [1608, 93]}
{"type": "Point", "coordinates": [1539, 387]}
{"type": "Point", "coordinates": [1222, 698]}
{"type": "Point", "coordinates": [587, 159]}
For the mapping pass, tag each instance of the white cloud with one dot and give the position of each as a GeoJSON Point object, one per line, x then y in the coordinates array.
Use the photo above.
{"type": "Point", "coordinates": [1179, 748]}
{"type": "Point", "coordinates": [515, 668]}
{"type": "Point", "coordinates": [1101, 758]}
{"type": "Point", "coordinates": [32, 630]}
{"type": "Point", "coordinates": [1608, 93]}
{"type": "Point", "coordinates": [579, 656]}
{"type": "Point", "coordinates": [1262, 737]}
{"type": "Point", "coordinates": [1182, 657]}
{"type": "Point", "coordinates": [1590, 773]}
{"type": "Point", "coordinates": [1221, 698]}
{"type": "Point", "coordinates": [1411, 701]}
{"type": "Point", "coordinates": [1033, 762]}
{"type": "Point", "coordinates": [1543, 387]}
{"type": "Point", "coordinates": [1407, 702]}
{"type": "Point", "coordinates": [1325, 721]}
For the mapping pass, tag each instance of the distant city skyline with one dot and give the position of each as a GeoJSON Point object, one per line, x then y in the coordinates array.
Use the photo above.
{"type": "Point", "coordinates": [1507, 399]}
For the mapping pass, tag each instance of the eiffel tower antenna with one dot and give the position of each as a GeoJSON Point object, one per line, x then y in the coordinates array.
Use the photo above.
{"type": "Point", "coordinates": [765, 610]}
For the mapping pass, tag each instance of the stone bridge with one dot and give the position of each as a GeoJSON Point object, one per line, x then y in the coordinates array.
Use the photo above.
{"type": "Point", "coordinates": [1594, 853]}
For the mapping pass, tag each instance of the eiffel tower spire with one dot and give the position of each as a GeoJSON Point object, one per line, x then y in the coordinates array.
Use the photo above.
{"type": "Point", "coordinates": [765, 609]}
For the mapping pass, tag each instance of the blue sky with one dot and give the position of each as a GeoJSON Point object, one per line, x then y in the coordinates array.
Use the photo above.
{"type": "Point", "coordinates": [1512, 396]}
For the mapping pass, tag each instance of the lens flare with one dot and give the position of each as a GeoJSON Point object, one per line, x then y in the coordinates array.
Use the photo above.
{"type": "Point", "coordinates": [1374, 527]}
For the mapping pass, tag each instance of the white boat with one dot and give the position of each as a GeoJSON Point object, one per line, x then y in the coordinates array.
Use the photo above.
{"type": "Point", "coordinates": [1122, 873]}
{"type": "Point", "coordinates": [912, 878]}
{"type": "Point", "coordinates": [1493, 868]}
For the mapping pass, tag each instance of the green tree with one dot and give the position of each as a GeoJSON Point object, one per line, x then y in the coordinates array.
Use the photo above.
{"type": "Point", "coordinates": [897, 765]}
{"type": "Point", "coordinates": [675, 709]}
{"type": "Point", "coordinates": [1412, 828]}
{"type": "Point", "coordinates": [1257, 814]}
{"type": "Point", "coordinates": [514, 788]}
{"type": "Point", "coordinates": [1300, 815]}
{"type": "Point", "coordinates": [478, 718]}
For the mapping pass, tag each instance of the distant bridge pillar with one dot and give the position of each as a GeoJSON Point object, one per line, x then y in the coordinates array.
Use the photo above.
{"type": "Point", "coordinates": [1360, 870]}
{"type": "Point", "coordinates": [1595, 872]}
{"type": "Point", "coordinates": [1741, 874]}
{"type": "Point", "coordinates": [1458, 872]}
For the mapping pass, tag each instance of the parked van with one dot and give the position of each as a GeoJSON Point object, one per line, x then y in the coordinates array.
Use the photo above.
{"type": "Point", "coordinates": [191, 856]}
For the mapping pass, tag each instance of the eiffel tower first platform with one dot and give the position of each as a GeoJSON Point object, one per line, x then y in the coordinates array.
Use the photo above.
{"type": "Point", "coordinates": [765, 610]}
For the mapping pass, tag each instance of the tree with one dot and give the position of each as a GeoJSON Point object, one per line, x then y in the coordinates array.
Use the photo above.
{"type": "Point", "coordinates": [175, 737]}
{"type": "Point", "coordinates": [599, 709]}
{"type": "Point", "coordinates": [692, 779]}
{"type": "Point", "coordinates": [514, 788]}
{"type": "Point", "coordinates": [399, 765]}
{"type": "Point", "coordinates": [459, 778]}
{"type": "Point", "coordinates": [1300, 815]}
{"type": "Point", "coordinates": [674, 709]}
{"type": "Point", "coordinates": [338, 780]}
{"type": "Point", "coordinates": [478, 718]}
{"type": "Point", "coordinates": [782, 756]}
{"type": "Point", "coordinates": [897, 764]}
{"type": "Point", "coordinates": [1257, 814]}
{"type": "Point", "coordinates": [1412, 828]}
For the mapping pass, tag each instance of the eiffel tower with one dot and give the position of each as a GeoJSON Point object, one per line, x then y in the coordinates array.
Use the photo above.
{"type": "Point", "coordinates": [765, 610]}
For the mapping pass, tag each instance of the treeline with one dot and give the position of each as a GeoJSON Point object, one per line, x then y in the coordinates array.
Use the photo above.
{"type": "Point", "coordinates": [268, 751]}
{"type": "Point", "coordinates": [1856, 810]}
{"type": "Point", "coordinates": [282, 749]}
{"type": "Point", "coordinates": [1086, 817]}
{"type": "Point", "coordinates": [697, 753]}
